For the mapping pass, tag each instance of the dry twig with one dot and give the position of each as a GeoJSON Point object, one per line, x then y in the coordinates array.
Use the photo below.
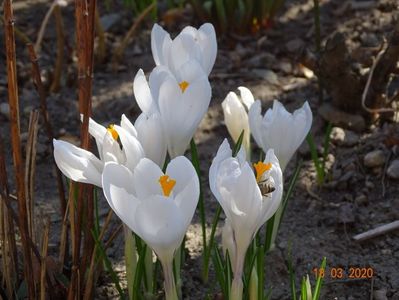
{"type": "Point", "coordinates": [376, 231]}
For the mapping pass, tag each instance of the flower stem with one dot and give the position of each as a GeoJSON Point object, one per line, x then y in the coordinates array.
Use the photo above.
{"type": "Point", "coordinates": [237, 286]}
{"type": "Point", "coordinates": [130, 259]}
{"type": "Point", "coordinates": [169, 285]}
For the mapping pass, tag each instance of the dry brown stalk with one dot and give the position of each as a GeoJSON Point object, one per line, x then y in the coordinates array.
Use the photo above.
{"type": "Point", "coordinates": [30, 165]}
{"type": "Point", "coordinates": [85, 20]}
{"type": "Point", "coordinates": [43, 261]}
{"type": "Point", "coordinates": [19, 34]}
{"type": "Point", "coordinates": [9, 249]}
{"type": "Point", "coordinates": [49, 131]}
{"type": "Point", "coordinates": [16, 143]}
{"type": "Point", "coordinates": [56, 83]}
{"type": "Point", "coordinates": [121, 49]}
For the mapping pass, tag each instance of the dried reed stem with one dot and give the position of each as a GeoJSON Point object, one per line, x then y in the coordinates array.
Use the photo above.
{"type": "Point", "coordinates": [43, 261]}
{"type": "Point", "coordinates": [101, 49]}
{"type": "Point", "coordinates": [9, 250]}
{"type": "Point", "coordinates": [56, 83]}
{"type": "Point", "coordinates": [16, 143]}
{"type": "Point", "coordinates": [30, 165]}
{"type": "Point", "coordinates": [119, 51]}
{"type": "Point", "coordinates": [49, 131]}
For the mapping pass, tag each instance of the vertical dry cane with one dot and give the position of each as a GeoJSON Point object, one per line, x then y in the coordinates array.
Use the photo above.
{"type": "Point", "coordinates": [50, 135]}
{"type": "Point", "coordinates": [7, 235]}
{"type": "Point", "coordinates": [16, 143]}
{"type": "Point", "coordinates": [85, 17]}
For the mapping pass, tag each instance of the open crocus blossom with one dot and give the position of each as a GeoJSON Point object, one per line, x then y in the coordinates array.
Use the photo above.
{"type": "Point", "coordinates": [190, 44]}
{"type": "Point", "coordinates": [158, 207]}
{"type": "Point", "coordinates": [180, 99]}
{"type": "Point", "coordinates": [248, 200]}
{"type": "Point", "coordinates": [113, 143]}
{"type": "Point", "coordinates": [236, 117]}
{"type": "Point", "coordinates": [280, 130]}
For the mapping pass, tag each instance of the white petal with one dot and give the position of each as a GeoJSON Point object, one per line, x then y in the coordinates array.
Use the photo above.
{"type": "Point", "coordinates": [228, 241]}
{"type": "Point", "coordinates": [255, 122]}
{"type": "Point", "coordinates": [160, 45]}
{"type": "Point", "coordinates": [223, 153]}
{"type": "Point", "coordinates": [112, 151]}
{"type": "Point", "coordinates": [186, 191]}
{"type": "Point", "coordinates": [77, 164]}
{"type": "Point", "coordinates": [131, 147]}
{"type": "Point", "coordinates": [117, 183]}
{"type": "Point", "coordinates": [151, 136]}
{"type": "Point", "coordinates": [235, 116]}
{"type": "Point", "coordinates": [146, 179]}
{"type": "Point", "coordinates": [158, 75]}
{"type": "Point", "coordinates": [182, 50]}
{"type": "Point", "coordinates": [208, 45]}
{"type": "Point", "coordinates": [128, 126]}
{"type": "Point", "coordinates": [246, 97]}
{"type": "Point", "coordinates": [160, 225]}
{"type": "Point", "coordinates": [142, 93]}
{"type": "Point", "coordinates": [98, 132]}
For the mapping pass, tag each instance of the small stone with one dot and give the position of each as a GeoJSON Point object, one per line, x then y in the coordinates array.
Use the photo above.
{"type": "Point", "coordinates": [393, 169]}
{"type": "Point", "coordinates": [346, 213]}
{"type": "Point", "coordinates": [295, 45]}
{"type": "Point", "coordinates": [342, 119]}
{"type": "Point", "coordinates": [337, 135]}
{"type": "Point", "coordinates": [361, 200]}
{"type": "Point", "coordinates": [380, 294]}
{"type": "Point", "coordinates": [268, 75]}
{"type": "Point", "coordinates": [375, 158]}
{"type": "Point", "coordinates": [5, 110]}
{"type": "Point", "coordinates": [285, 66]}
{"type": "Point", "coordinates": [370, 185]}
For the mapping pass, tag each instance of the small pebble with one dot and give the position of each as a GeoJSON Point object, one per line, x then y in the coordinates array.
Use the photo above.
{"type": "Point", "coordinates": [393, 169]}
{"type": "Point", "coordinates": [361, 200]}
{"type": "Point", "coordinates": [5, 110]}
{"type": "Point", "coordinates": [375, 158]}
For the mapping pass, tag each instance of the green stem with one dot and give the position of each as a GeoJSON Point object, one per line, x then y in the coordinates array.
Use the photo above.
{"type": "Point", "coordinates": [130, 259]}
{"type": "Point", "coordinates": [169, 285]}
{"type": "Point", "coordinates": [149, 269]}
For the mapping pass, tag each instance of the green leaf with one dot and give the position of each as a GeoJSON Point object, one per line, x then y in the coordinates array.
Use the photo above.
{"type": "Point", "coordinates": [237, 146]}
{"type": "Point", "coordinates": [319, 282]}
{"type": "Point", "coordinates": [304, 295]}
{"type": "Point", "coordinates": [207, 251]}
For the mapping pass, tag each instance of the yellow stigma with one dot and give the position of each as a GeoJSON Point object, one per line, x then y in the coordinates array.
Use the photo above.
{"type": "Point", "coordinates": [113, 132]}
{"type": "Point", "coordinates": [261, 168]}
{"type": "Point", "coordinates": [167, 184]}
{"type": "Point", "coordinates": [183, 85]}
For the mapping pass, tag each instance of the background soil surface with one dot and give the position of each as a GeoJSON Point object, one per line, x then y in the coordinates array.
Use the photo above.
{"type": "Point", "coordinates": [319, 221]}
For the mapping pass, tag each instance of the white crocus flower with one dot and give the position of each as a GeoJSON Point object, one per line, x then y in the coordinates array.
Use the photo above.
{"type": "Point", "coordinates": [181, 100]}
{"type": "Point", "coordinates": [248, 201]}
{"type": "Point", "coordinates": [236, 117]}
{"type": "Point", "coordinates": [149, 132]}
{"type": "Point", "coordinates": [113, 143]}
{"type": "Point", "coordinates": [280, 130]}
{"type": "Point", "coordinates": [190, 44]}
{"type": "Point", "coordinates": [158, 207]}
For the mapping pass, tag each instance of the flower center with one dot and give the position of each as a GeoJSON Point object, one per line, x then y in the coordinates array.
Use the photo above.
{"type": "Point", "coordinates": [167, 184]}
{"type": "Point", "coordinates": [260, 168]}
{"type": "Point", "coordinates": [113, 132]}
{"type": "Point", "coordinates": [183, 85]}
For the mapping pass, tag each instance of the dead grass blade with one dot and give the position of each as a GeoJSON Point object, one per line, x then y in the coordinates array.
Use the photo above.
{"type": "Point", "coordinates": [16, 143]}
{"type": "Point", "coordinates": [56, 83]}
{"type": "Point", "coordinates": [43, 261]}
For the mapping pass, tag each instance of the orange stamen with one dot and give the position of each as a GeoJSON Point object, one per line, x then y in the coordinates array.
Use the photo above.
{"type": "Point", "coordinates": [167, 184]}
{"type": "Point", "coordinates": [261, 168]}
{"type": "Point", "coordinates": [183, 85]}
{"type": "Point", "coordinates": [113, 132]}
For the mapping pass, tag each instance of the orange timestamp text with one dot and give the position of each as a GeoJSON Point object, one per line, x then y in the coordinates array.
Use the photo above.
{"type": "Point", "coordinates": [345, 273]}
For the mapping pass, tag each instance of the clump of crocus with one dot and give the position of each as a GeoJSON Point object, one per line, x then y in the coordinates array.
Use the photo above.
{"type": "Point", "coordinates": [157, 206]}
{"type": "Point", "coordinates": [280, 130]}
{"type": "Point", "coordinates": [235, 110]}
{"type": "Point", "coordinates": [248, 201]}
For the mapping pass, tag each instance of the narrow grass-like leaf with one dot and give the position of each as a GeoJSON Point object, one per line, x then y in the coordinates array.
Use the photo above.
{"type": "Point", "coordinates": [326, 143]}
{"type": "Point", "coordinates": [260, 271]}
{"type": "Point", "coordinates": [108, 266]}
{"type": "Point", "coordinates": [228, 274]}
{"type": "Point", "coordinates": [304, 295]}
{"type": "Point", "coordinates": [219, 270]}
{"type": "Point", "coordinates": [201, 206]}
{"type": "Point", "coordinates": [317, 163]}
{"type": "Point", "coordinates": [319, 282]}
{"type": "Point", "coordinates": [237, 146]}
{"type": "Point", "coordinates": [140, 270]}
{"type": "Point", "coordinates": [207, 252]}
